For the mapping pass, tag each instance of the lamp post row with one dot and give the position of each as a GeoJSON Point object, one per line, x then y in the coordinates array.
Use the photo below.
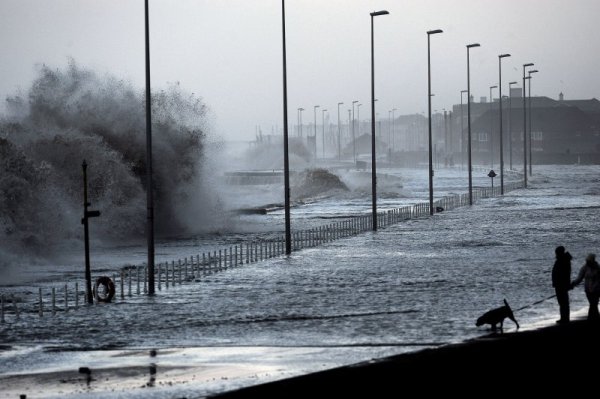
{"type": "Point", "coordinates": [150, 206]}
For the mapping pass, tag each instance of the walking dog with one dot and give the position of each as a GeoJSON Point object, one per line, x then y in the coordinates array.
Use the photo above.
{"type": "Point", "coordinates": [495, 316]}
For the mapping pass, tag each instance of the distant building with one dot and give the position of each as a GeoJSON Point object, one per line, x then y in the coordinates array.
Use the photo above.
{"type": "Point", "coordinates": [562, 131]}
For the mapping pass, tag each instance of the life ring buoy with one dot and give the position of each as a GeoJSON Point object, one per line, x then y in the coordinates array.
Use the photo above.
{"type": "Point", "coordinates": [104, 289]}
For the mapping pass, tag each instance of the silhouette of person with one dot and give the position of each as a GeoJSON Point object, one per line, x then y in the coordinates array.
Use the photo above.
{"type": "Point", "coordinates": [561, 281]}
{"type": "Point", "coordinates": [591, 273]}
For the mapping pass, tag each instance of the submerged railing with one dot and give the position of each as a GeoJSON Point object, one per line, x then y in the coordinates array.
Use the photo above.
{"type": "Point", "coordinates": [133, 280]}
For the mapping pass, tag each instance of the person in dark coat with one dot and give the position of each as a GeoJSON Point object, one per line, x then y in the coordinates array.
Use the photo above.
{"type": "Point", "coordinates": [591, 273]}
{"type": "Point", "coordinates": [561, 281]}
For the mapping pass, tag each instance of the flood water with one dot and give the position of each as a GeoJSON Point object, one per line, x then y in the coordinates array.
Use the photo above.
{"type": "Point", "coordinates": [416, 284]}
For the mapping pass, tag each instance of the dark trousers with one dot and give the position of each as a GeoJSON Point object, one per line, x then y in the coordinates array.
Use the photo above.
{"type": "Point", "coordinates": [593, 310]}
{"type": "Point", "coordinates": [563, 302]}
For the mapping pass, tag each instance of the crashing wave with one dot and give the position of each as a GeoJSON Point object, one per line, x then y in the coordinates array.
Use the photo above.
{"type": "Point", "coordinates": [75, 114]}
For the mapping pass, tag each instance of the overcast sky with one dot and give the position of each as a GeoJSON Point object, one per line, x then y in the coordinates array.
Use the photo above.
{"type": "Point", "coordinates": [229, 51]}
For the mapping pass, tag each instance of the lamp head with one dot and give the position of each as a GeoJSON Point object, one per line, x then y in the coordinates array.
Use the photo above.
{"type": "Point", "coordinates": [473, 45]}
{"type": "Point", "coordinates": [433, 32]}
{"type": "Point", "coordinates": [533, 71]}
{"type": "Point", "coordinates": [376, 13]}
{"type": "Point", "coordinates": [493, 87]}
{"type": "Point", "coordinates": [512, 83]}
{"type": "Point", "coordinates": [503, 55]}
{"type": "Point", "coordinates": [529, 64]}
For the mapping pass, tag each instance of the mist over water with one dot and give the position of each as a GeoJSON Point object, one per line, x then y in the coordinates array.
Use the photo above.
{"type": "Point", "coordinates": [70, 115]}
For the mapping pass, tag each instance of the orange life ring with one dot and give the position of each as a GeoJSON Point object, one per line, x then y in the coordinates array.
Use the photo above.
{"type": "Point", "coordinates": [104, 289]}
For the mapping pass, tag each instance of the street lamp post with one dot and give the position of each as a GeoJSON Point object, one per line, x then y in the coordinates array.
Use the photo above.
{"type": "Point", "coordinates": [429, 33]}
{"type": "Point", "coordinates": [373, 155]}
{"type": "Point", "coordinates": [323, 131]}
{"type": "Point", "coordinates": [339, 135]}
{"type": "Point", "coordinates": [286, 163]}
{"type": "Point", "coordinates": [469, 47]}
{"type": "Point", "coordinates": [462, 131]}
{"type": "Point", "coordinates": [149, 184]}
{"type": "Point", "coordinates": [492, 127]}
{"type": "Point", "coordinates": [358, 120]}
{"type": "Point", "coordinates": [315, 123]}
{"type": "Point", "coordinates": [525, 127]}
{"type": "Point", "coordinates": [389, 140]}
{"type": "Point", "coordinates": [394, 129]}
{"type": "Point", "coordinates": [510, 151]}
{"type": "Point", "coordinates": [300, 121]}
{"type": "Point", "coordinates": [501, 132]}
{"type": "Point", "coordinates": [353, 132]}
{"type": "Point", "coordinates": [530, 118]}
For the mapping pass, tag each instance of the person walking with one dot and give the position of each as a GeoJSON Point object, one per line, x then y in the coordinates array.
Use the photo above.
{"type": "Point", "coordinates": [561, 281]}
{"type": "Point", "coordinates": [591, 273]}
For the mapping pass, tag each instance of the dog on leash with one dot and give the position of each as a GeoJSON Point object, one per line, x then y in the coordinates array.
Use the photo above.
{"type": "Point", "coordinates": [495, 316]}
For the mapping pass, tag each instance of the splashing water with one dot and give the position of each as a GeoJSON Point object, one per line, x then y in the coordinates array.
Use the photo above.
{"type": "Point", "coordinates": [75, 114]}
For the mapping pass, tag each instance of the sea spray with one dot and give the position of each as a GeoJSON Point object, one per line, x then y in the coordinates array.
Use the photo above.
{"type": "Point", "coordinates": [75, 114]}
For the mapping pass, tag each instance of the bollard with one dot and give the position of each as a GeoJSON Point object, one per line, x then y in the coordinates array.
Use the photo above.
{"type": "Point", "coordinates": [231, 256]}
{"type": "Point", "coordinates": [236, 256]}
{"type": "Point", "coordinates": [179, 270]}
{"type": "Point", "coordinates": [53, 302]}
{"type": "Point", "coordinates": [145, 279]}
{"type": "Point", "coordinates": [159, 283]}
{"type": "Point", "coordinates": [1, 308]}
{"type": "Point", "coordinates": [247, 254]}
{"type": "Point", "coordinates": [129, 282]}
{"type": "Point", "coordinates": [261, 250]}
{"type": "Point", "coordinates": [122, 284]}
{"type": "Point", "coordinates": [137, 279]}
{"type": "Point", "coordinates": [167, 275]}
{"type": "Point", "coordinates": [66, 299]}
{"type": "Point", "coordinates": [76, 295]}
{"type": "Point", "coordinates": [173, 273]}
{"type": "Point", "coordinates": [41, 304]}
{"type": "Point", "coordinates": [185, 265]}
{"type": "Point", "coordinates": [14, 301]}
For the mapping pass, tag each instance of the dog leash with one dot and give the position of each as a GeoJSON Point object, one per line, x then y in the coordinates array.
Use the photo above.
{"type": "Point", "coordinates": [536, 303]}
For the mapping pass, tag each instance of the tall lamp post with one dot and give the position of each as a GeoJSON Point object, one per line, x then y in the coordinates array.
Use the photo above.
{"type": "Point", "coordinates": [462, 131]}
{"type": "Point", "coordinates": [530, 118]}
{"type": "Point", "coordinates": [373, 155]}
{"type": "Point", "coordinates": [286, 163]}
{"type": "Point", "coordinates": [501, 132]}
{"type": "Point", "coordinates": [469, 47]}
{"type": "Point", "coordinates": [315, 122]}
{"type": "Point", "coordinates": [149, 185]}
{"type": "Point", "coordinates": [394, 129]}
{"type": "Point", "coordinates": [300, 121]}
{"type": "Point", "coordinates": [510, 151]}
{"type": "Point", "coordinates": [358, 120]}
{"type": "Point", "coordinates": [525, 127]}
{"type": "Point", "coordinates": [389, 140]}
{"type": "Point", "coordinates": [429, 33]}
{"type": "Point", "coordinates": [323, 131]}
{"type": "Point", "coordinates": [492, 127]}
{"type": "Point", "coordinates": [339, 135]}
{"type": "Point", "coordinates": [353, 132]}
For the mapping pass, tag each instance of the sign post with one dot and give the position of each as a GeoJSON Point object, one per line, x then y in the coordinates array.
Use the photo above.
{"type": "Point", "coordinates": [87, 214]}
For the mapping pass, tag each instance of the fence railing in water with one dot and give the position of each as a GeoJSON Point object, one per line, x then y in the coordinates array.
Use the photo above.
{"type": "Point", "coordinates": [133, 280]}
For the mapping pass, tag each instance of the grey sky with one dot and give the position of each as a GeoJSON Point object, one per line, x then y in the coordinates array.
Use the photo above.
{"type": "Point", "coordinates": [229, 51]}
